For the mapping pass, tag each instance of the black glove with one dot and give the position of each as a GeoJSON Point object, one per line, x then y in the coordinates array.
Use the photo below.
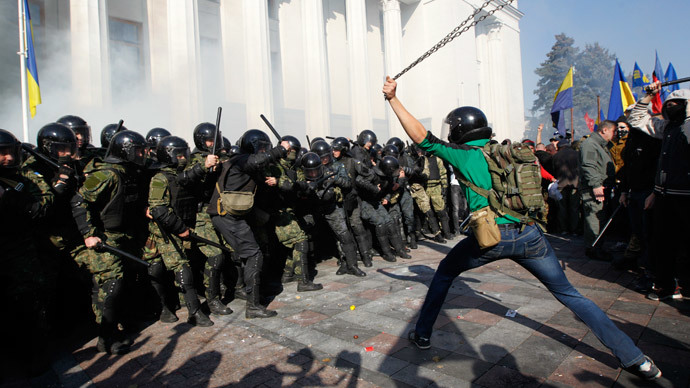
{"type": "Point", "coordinates": [327, 195]}
{"type": "Point", "coordinates": [65, 185]}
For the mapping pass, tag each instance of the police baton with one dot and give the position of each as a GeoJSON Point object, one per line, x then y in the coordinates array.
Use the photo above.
{"type": "Point", "coordinates": [607, 225]}
{"type": "Point", "coordinates": [668, 83]}
{"type": "Point", "coordinates": [111, 249]}
{"type": "Point", "coordinates": [26, 147]}
{"type": "Point", "coordinates": [215, 139]}
{"type": "Point", "coordinates": [200, 239]}
{"type": "Point", "coordinates": [268, 124]}
{"type": "Point", "coordinates": [119, 125]}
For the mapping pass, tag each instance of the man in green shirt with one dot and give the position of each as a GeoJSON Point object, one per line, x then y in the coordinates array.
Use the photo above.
{"type": "Point", "coordinates": [523, 243]}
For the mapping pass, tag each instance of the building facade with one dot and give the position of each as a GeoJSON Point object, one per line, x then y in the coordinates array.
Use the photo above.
{"type": "Point", "coordinates": [313, 67]}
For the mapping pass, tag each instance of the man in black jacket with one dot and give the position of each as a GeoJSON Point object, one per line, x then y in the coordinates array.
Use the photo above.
{"type": "Point", "coordinates": [240, 174]}
{"type": "Point", "coordinates": [671, 187]}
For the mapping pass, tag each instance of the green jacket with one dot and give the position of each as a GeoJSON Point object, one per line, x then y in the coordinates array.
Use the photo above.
{"type": "Point", "coordinates": [596, 166]}
{"type": "Point", "coordinates": [470, 163]}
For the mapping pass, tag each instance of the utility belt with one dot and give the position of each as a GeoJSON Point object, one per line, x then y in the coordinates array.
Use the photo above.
{"type": "Point", "coordinates": [433, 183]}
{"type": "Point", "coordinates": [515, 225]}
{"type": "Point", "coordinates": [665, 191]}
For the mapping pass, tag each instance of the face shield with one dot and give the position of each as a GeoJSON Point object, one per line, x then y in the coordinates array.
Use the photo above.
{"type": "Point", "coordinates": [63, 152]}
{"type": "Point", "coordinates": [313, 173]}
{"type": "Point", "coordinates": [445, 130]}
{"type": "Point", "coordinates": [10, 155]}
{"type": "Point", "coordinates": [326, 159]}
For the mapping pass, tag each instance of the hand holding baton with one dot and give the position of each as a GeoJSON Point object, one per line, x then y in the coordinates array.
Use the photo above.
{"type": "Point", "coordinates": [111, 249]}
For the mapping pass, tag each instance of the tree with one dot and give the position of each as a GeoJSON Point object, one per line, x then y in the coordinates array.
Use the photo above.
{"type": "Point", "coordinates": [591, 78]}
{"type": "Point", "coordinates": [551, 73]}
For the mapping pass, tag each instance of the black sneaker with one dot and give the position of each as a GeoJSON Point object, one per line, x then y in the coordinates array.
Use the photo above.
{"type": "Point", "coordinates": [664, 294]}
{"type": "Point", "coordinates": [421, 342]}
{"type": "Point", "coordinates": [645, 369]}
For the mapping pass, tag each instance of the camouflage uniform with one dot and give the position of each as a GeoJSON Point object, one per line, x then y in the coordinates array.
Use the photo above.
{"type": "Point", "coordinates": [213, 257]}
{"type": "Point", "coordinates": [436, 187]}
{"type": "Point", "coordinates": [173, 210]}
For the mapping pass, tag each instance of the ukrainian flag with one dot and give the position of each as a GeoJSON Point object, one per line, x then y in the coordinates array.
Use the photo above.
{"type": "Point", "coordinates": [31, 69]}
{"type": "Point", "coordinates": [563, 100]}
{"type": "Point", "coordinates": [621, 95]}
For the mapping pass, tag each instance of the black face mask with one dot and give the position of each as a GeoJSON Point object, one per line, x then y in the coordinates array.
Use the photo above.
{"type": "Point", "coordinates": [675, 112]}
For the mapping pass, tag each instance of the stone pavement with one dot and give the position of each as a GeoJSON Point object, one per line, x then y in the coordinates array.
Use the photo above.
{"type": "Point", "coordinates": [353, 334]}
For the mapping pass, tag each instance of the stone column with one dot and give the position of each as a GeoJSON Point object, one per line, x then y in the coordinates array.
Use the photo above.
{"type": "Point", "coordinates": [355, 13]}
{"type": "Point", "coordinates": [392, 38]}
{"type": "Point", "coordinates": [257, 63]}
{"type": "Point", "coordinates": [183, 59]}
{"type": "Point", "coordinates": [90, 59]}
{"type": "Point", "coordinates": [157, 18]}
{"type": "Point", "coordinates": [317, 90]}
{"type": "Point", "coordinates": [497, 81]}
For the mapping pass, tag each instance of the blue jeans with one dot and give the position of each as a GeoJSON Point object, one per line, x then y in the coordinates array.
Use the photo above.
{"type": "Point", "coordinates": [530, 249]}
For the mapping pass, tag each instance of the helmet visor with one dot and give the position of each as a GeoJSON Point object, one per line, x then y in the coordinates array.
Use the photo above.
{"type": "Point", "coordinates": [445, 130]}
{"type": "Point", "coordinates": [313, 173]}
{"type": "Point", "coordinates": [136, 155]}
{"type": "Point", "coordinates": [63, 152]}
{"type": "Point", "coordinates": [326, 159]}
{"type": "Point", "coordinates": [10, 155]}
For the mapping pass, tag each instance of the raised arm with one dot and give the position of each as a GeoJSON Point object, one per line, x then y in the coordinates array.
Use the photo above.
{"type": "Point", "coordinates": [414, 129]}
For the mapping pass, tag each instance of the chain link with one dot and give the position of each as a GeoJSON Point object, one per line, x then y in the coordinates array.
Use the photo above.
{"type": "Point", "coordinates": [457, 31]}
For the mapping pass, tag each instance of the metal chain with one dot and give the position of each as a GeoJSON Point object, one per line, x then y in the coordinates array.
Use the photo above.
{"type": "Point", "coordinates": [457, 31]}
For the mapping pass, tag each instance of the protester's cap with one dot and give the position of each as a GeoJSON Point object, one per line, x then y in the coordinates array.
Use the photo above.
{"type": "Point", "coordinates": [680, 94]}
{"type": "Point", "coordinates": [553, 139]}
{"type": "Point", "coordinates": [528, 142]}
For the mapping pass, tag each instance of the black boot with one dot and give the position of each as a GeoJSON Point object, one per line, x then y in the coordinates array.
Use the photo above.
{"type": "Point", "coordinates": [342, 269]}
{"type": "Point", "coordinates": [364, 250]}
{"type": "Point", "coordinates": [107, 329]}
{"type": "Point", "coordinates": [186, 282]}
{"type": "Point", "coordinates": [382, 236]}
{"type": "Point", "coordinates": [432, 221]}
{"type": "Point", "coordinates": [445, 224]}
{"type": "Point", "coordinates": [240, 293]}
{"type": "Point", "coordinates": [350, 252]}
{"type": "Point", "coordinates": [167, 315]}
{"type": "Point", "coordinates": [396, 241]}
{"type": "Point", "coordinates": [254, 308]}
{"type": "Point", "coordinates": [413, 240]}
{"type": "Point", "coordinates": [288, 277]}
{"type": "Point", "coordinates": [305, 283]}
{"type": "Point", "coordinates": [213, 294]}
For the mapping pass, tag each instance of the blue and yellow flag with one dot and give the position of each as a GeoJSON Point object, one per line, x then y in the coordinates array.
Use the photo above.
{"type": "Point", "coordinates": [638, 78]}
{"type": "Point", "coordinates": [562, 101]}
{"type": "Point", "coordinates": [31, 69]}
{"type": "Point", "coordinates": [621, 95]}
{"type": "Point", "coordinates": [671, 76]}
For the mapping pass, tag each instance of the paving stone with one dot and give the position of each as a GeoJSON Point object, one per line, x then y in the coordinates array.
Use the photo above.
{"type": "Point", "coordinates": [537, 356]}
{"type": "Point", "coordinates": [306, 318]}
{"type": "Point", "coordinates": [345, 330]}
{"type": "Point", "coordinates": [500, 376]}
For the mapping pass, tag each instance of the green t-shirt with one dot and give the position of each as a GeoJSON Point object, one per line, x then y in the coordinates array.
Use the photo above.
{"type": "Point", "coordinates": [471, 164]}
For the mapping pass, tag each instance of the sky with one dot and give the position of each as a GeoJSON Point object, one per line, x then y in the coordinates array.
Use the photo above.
{"type": "Point", "coordinates": [630, 29]}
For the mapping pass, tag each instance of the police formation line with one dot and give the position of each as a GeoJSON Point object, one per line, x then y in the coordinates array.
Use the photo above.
{"type": "Point", "coordinates": [149, 207]}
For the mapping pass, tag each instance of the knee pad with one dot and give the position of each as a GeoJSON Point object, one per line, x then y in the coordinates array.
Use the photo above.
{"type": "Point", "coordinates": [302, 246]}
{"type": "Point", "coordinates": [184, 278]}
{"type": "Point", "coordinates": [112, 289]}
{"type": "Point", "coordinates": [157, 270]}
{"type": "Point", "coordinates": [216, 262]}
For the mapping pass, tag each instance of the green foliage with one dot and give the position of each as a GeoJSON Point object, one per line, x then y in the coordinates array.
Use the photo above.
{"type": "Point", "coordinates": [591, 78]}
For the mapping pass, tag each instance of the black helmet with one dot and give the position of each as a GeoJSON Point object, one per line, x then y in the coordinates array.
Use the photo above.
{"type": "Point", "coordinates": [465, 124]}
{"type": "Point", "coordinates": [55, 138]}
{"type": "Point", "coordinates": [154, 137]}
{"type": "Point", "coordinates": [366, 136]}
{"type": "Point", "coordinates": [79, 127]}
{"type": "Point", "coordinates": [254, 141]}
{"type": "Point", "coordinates": [389, 166]}
{"type": "Point", "coordinates": [312, 166]}
{"type": "Point", "coordinates": [170, 149]}
{"type": "Point", "coordinates": [294, 143]}
{"type": "Point", "coordinates": [302, 151]}
{"type": "Point", "coordinates": [324, 151]}
{"type": "Point", "coordinates": [10, 146]}
{"type": "Point", "coordinates": [226, 145]}
{"type": "Point", "coordinates": [314, 140]}
{"type": "Point", "coordinates": [126, 146]}
{"type": "Point", "coordinates": [108, 132]}
{"type": "Point", "coordinates": [375, 151]}
{"type": "Point", "coordinates": [204, 132]}
{"type": "Point", "coordinates": [234, 150]}
{"type": "Point", "coordinates": [396, 141]}
{"type": "Point", "coordinates": [391, 150]}
{"type": "Point", "coordinates": [340, 144]}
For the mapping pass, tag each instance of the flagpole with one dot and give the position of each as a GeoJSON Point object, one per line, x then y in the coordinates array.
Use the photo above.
{"type": "Point", "coordinates": [598, 111]}
{"type": "Point", "coordinates": [22, 65]}
{"type": "Point", "coordinates": [572, 128]}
